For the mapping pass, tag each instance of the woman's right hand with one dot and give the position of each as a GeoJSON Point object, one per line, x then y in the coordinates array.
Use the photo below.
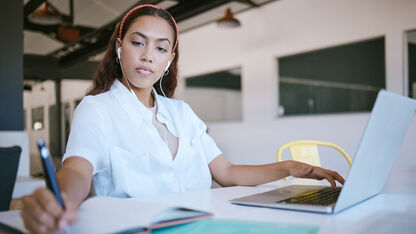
{"type": "Point", "coordinates": [303, 170]}
{"type": "Point", "coordinates": [42, 213]}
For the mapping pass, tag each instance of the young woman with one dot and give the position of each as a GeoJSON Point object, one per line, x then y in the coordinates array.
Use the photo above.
{"type": "Point", "coordinates": [130, 139]}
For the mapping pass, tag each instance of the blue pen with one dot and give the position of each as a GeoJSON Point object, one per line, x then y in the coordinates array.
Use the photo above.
{"type": "Point", "coordinates": [49, 170]}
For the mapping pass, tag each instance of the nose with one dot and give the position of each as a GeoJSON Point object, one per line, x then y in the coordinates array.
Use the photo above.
{"type": "Point", "coordinates": [147, 55]}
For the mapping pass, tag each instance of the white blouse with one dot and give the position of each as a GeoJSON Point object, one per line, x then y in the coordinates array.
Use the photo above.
{"type": "Point", "coordinates": [115, 133]}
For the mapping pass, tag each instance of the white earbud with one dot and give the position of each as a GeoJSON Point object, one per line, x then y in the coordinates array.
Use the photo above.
{"type": "Point", "coordinates": [167, 67]}
{"type": "Point", "coordinates": [121, 66]}
{"type": "Point", "coordinates": [160, 81]}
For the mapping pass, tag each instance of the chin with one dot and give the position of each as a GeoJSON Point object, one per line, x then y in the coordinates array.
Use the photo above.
{"type": "Point", "coordinates": [142, 84]}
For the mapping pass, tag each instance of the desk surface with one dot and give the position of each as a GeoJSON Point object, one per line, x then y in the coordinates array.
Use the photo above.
{"type": "Point", "coordinates": [396, 203]}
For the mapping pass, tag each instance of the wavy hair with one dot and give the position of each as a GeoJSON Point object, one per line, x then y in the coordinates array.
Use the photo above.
{"type": "Point", "coordinates": [109, 69]}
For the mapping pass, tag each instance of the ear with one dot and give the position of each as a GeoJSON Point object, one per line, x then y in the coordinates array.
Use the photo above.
{"type": "Point", "coordinates": [172, 56]}
{"type": "Point", "coordinates": [118, 45]}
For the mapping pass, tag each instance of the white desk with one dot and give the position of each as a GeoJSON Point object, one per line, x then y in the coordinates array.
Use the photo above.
{"type": "Point", "coordinates": [389, 206]}
{"type": "Point", "coordinates": [353, 220]}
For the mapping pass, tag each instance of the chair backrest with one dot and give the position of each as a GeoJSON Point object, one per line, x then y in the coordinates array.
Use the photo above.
{"type": "Point", "coordinates": [307, 151]}
{"type": "Point", "coordinates": [9, 163]}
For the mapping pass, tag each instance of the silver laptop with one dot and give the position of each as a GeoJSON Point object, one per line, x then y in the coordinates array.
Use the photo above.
{"type": "Point", "coordinates": [386, 128]}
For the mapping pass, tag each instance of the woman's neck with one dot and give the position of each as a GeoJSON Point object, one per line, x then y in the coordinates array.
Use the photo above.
{"type": "Point", "coordinates": [143, 94]}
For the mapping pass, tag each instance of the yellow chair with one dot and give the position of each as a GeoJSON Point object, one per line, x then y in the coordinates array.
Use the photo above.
{"type": "Point", "coordinates": [306, 151]}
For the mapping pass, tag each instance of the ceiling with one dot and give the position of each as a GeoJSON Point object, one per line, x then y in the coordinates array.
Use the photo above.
{"type": "Point", "coordinates": [96, 20]}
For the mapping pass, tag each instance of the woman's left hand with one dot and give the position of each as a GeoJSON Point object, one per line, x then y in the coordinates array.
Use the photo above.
{"type": "Point", "coordinates": [303, 170]}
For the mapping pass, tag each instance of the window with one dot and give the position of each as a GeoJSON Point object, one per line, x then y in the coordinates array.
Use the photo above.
{"type": "Point", "coordinates": [411, 59]}
{"type": "Point", "coordinates": [37, 118]}
{"type": "Point", "coordinates": [344, 78]}
{"type": "Point", "coordinates": [215, 96]}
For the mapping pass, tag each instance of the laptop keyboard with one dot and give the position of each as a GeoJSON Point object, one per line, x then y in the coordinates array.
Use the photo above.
{"type": "Point", "coordinates": [324, 196]}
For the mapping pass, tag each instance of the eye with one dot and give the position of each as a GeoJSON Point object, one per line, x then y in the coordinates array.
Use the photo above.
{"type": "Point", "coordinates": [137, 43]}
{"type": "Point", "coordinates": [160, 49]}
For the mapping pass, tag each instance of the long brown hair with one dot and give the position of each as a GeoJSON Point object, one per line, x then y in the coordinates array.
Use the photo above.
{"type": "Point", "coordinates": [109, 69]}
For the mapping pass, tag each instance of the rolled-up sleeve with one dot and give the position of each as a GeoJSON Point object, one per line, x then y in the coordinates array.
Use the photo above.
{"type": "Point", "coordinates": [87, 137]}
{"type": "Point", "coordinates": [201, 137]}
{"type": "Point", "coordinates": [209, 147]}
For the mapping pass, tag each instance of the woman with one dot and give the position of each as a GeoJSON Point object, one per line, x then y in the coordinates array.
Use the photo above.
{"type": "Point", "coordinates": [130, 141]}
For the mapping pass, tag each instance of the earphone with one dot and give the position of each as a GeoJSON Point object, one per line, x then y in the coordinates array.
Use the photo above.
{"type": "Point", "coordinates": [128, 81]}
{"type": "Point", "coordinates": [167, 67]}
{"type": "Point", "coordinates": [160, 81]}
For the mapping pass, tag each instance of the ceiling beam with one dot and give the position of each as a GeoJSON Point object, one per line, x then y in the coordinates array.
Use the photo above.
{"type": "Point", "coordinates": [38, 67]}
{"type": "Point", "coordinates": [31, 6]}
{"type": "Point", "coordinates": [80, 71]}
{"type": "Point", "coordinates": [49, 30]}
{"type": "Point", "coordinates": [91, 43]}
{"type": "Point", "coordinates": [65, 18]}
{"type": "Point", "coordinates": [249, 2]}
{"type": "Point", "coordinates": [187, 9]}
{"type": "Point", "coordinates": [41, 67]}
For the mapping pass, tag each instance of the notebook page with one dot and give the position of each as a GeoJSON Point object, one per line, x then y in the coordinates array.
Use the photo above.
{"type": "Point", "coordinates": [109, 214]}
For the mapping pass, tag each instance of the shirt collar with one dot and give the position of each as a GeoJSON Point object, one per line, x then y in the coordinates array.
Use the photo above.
{"type": "Point", "coordinates": [130, 103]}
{"type": "Point", "coordinates": [136, 110]}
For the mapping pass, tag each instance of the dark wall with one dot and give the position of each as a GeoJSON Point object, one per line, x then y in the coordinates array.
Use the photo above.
{"type": "Point", "coordinates": [11, 66]}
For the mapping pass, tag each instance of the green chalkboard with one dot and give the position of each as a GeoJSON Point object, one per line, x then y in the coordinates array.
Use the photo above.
{"type": "Point", "coordinates": [220, 80]}
{"type": "Point", "coordinates": [344, 78]}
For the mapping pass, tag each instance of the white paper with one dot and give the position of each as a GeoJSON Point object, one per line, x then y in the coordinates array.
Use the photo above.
{"type": "Point", "coordinates": [109, 214]}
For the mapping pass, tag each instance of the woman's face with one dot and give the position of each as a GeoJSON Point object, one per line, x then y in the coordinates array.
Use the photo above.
{"type": "Point", "coordinates": [146, 50]}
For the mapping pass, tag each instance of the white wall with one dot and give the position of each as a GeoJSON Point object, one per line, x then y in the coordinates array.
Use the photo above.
{"type": "Point", "coordinates": [73, 90]}
{"type": "Point", "coordinates": [43, 94]}
{"type": "Point", "coordinates": [289, 27]}
{"type": "Point", "coordinates": [212, 104]}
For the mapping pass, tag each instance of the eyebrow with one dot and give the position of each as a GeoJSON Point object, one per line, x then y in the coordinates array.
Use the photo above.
{"type": "Point", "coordinates": [146, 37]}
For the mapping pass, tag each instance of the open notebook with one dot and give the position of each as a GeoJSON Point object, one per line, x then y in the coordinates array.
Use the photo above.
{"type": "Point", "coordinates": [118, 215]}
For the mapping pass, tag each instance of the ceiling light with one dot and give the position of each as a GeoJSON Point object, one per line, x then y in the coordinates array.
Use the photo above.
{"type": "Point", "coordinates": [67, 33]}
{"type": "Point", "coordinates": [228, 21]}
{"type": "Point", "coordinates": [45, 16]}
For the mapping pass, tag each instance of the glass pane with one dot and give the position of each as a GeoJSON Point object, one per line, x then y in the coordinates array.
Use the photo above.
{"type": "Point", "coordinates": [344, 78]}
{"type": "Point", "coordinates": [215, 96]}
{"type": "Point", "coordinates": [411, 53]}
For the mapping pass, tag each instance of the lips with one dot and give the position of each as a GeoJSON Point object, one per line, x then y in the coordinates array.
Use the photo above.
{"type": "Point", "coordinates": [144, 71]}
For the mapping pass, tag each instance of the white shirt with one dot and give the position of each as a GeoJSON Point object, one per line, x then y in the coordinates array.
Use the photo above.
{"type": "Point", "coordinates": [114, 132]}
